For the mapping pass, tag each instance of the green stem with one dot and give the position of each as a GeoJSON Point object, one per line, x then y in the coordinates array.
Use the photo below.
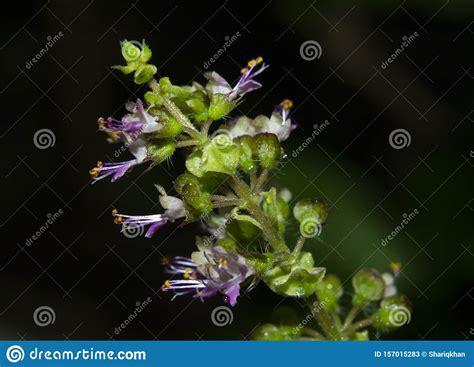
{"type": "Point", "coordinates": [299, 246]}
{"type": "Point", "coordinates": [323, 318]}
{"type": "Point", "coordinates": [360, 324]}
{"type": "Point", "coordinates": [186, 143]}
{"type": "Point", "coordinates": [350, 317]}
{"type": "Point", "coordinates": [249, 200]}
{"type": "Point", "coordinates": [225, 203]}
{"type": "Point", "coordinates": [206, 126]}
{"type": "Point", "coordinates": [260, 181]}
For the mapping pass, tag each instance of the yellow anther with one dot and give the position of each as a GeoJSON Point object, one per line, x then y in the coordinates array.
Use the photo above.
{"type": "Point", "coordinates": [259, 60]}
{"type": "Point", "coordinates": [94, 172]}
{"type": "Point", "coordinates": [118, 219]}
{"type": "Point", "coordinates": [222, 262]}
{"type": "Point", "coordinates": [252, 63]}
{"type": "Point", "coordinates": [165, 260]}
{"type": "Point", "coordinates": [99, 164]}
{"type": "Point", "coordinates": [101, 122]}
{"type": "Point", "coordinates": [243, 70]}
{"type": "Point", "coordinates": [395, 267]}
{"type": "Point", "coordinates": [187, 273]}
{"type": "Point", "coordinates": [166, 284]}
{"type": "Point", "coordinates": [287, 104]}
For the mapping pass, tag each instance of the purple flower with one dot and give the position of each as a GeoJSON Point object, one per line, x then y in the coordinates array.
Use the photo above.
{"type": "Point", "coordinates": [132, 125]}
{"type": "Point", "coordinates": [118, 169]}
{"type": "Point", "coordinates": [210, 271]}
{"type": "Point", "coordinates": [174, 209]}
{"type": "Point", "coordinates": [218, 85]}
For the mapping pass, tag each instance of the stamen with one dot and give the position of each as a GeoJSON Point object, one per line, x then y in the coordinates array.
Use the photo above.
{"type": "Point", "coordinates": [252, 63]}
{"type": "Point", "coordinates": [166, 285]}
{"type": "Point", "coordinates": [243, 71]}
{"type": "Point", "coordinates": [259, 60]}
{"type": "Point", "coordinates": [287, 104]}
{"type": "Point", "coordinates": [165, 260]}
{"type": "Point", "coordinates": [222, 262]}
{"type": "Point", "coordinates": [101, 122]}
{"type": "Point", "coordinates": [118, 219]}
{"type": "Point", "coordinates": [187, 273]}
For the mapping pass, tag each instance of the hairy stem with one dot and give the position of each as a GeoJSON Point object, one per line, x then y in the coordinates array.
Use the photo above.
{"type": "Point", "coordinates": [206, 126]}
{"type": "Point", "coordinates": [186, 143]}
{"type": "Point", "coordinates": [299, 245]}
{"type": "Point", "coordinates": [323, 318]}
{"type": "Point", "coordinates": [261, 180]}
{"type": "Point", "coordinates": [250, 202]}
{"type": "Point", "coordinates": [360, 324]}
{"type": "Point", "coordinates": [350, 317]}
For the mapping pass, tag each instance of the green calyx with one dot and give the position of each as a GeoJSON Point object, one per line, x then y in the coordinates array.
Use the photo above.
{"type": "Point", "coordinates": [394, 312]}
{"type": "Point", "coordinates": [276, 208]}
{"type": "Point", "coordinates": [161, 150]}
{"type": "Point", "coordinates": [136, 55]}
{"type": "Point", "coordinates": [295, 277]}
{"type": "Point", "coordinates": [268, 150]}
{"type": "Point", "coordinates": [198, 201]}
{"type": "Point", "coordinates": [220, 106]}
{"type": "Point", "coordinates": [368, 286]}
{"type": "Point", "coordinates": [217, 155]}
{"type": "Point", "coordinates": [329, 290]}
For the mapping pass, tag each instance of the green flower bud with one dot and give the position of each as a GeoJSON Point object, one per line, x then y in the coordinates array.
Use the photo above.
{"type": "Point", "coordinates": [295, 277]}
{"type": "Point", "coordinates": [272, 332]}
{"type": "Point", "coordinates": [329, 290]}
{"type": "Point", "coordinates": [145, 73]}
{"type": "Point", "coordinates": [368, 286]}
{"type": "Point", "coordinates": [220, 106]}
{"type": "Point", "coordinates": [193, 194]}
{"type": "Point", "coordinates": [130, 51]}
{"type": "Point", "coordinates": [219, 155]}
{"type": "Point", "coordinates": [171, 126]}
{"type": "Point", "coordinates": [247, 148]}
{"type": "Point", "coordinates": [268, 150]}
{"type": "Point", "coordinates": [394, 311]}
{"type": "Point", "coordinates": [311, 214]}
{"type": "Point", "coordinates": [160, 150]}
{"type": "Point", "coordinates": [153, 99]}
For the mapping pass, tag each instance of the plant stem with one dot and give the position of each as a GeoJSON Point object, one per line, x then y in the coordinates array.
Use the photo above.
{"type": "Point", "coordinates": [324, 319]}
{"type": "Point", "coordinates": [260, 181]}
{"type": "Point", "coordinates": [249, 200]}
{"type": "Point", "coordinates": [360, 324]}
{"type": "Point", "coordinates": [186, 143]}
{"type": "Point", "coordinates": [225, 203]}
{"type": "Point", "coordinates": [206, 126]}
{"type": "Point", "coordinates": [350, 317]}
{"type": "Point", "coordinates": [299, 245]}
{"type": "Point", "coordinates": [313, 334]}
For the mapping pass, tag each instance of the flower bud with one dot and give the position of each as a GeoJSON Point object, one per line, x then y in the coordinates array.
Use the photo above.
{"type": "Point", "coordinates": [193, 194]}
{"type": "Point", "coordinates": [144, 73]}
{"type": "Point", "coordinates": [310, 208]}
{"type": "Point", "coordinates": [295, 277]}
{"type": "Point", "coordinates": [220, 106]}
{"type": "Point", "coordinates": [171, 127]}
{"type": "Point", "coordinates": [368, 286]}
{"type": "Point", "coordinates": [247, 148]}
{"type": "Point", "coordinates": [130, 51]}
{"type": "Point", "coordinates": [394, 311]}
{"type": "Point", "coordinates": [268, 150]}
{"type": "Point", "coordinates": [329, 290]}
{"type": "Point", "coordinates": [160, 150]}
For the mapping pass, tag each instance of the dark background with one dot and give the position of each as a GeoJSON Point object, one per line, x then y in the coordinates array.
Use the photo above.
{"type": "Point", "coordinates": [92, 276]}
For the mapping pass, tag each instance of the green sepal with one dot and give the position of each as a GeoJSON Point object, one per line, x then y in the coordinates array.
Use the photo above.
{"type": "Point", "coordinates": [220, 106]}
{"type": "Point", "coordinates": [160, 150]}
{"type": "Point", "coordinates": [394, 312]}
{"type": "Point", "coordinates": [268, 150]}
{"type": "Point", "coordinates": [295, 277]}
{"type": "Point", "coordinates": [329, 290]}
{"type": "Point", "coordinates": [276, 208]}
{"type": "Point", "coordinates": [310, 209]}
{"type": "Point", "coordinates": [368, 286]}
{"type": "Point", "coordinates": [248, 149]}
{"type": "Point", "coordinates": [213, 157]}
{"type": "Point", "coordinates": [144, 73]}
{"type": "Point", "coordinates": [126, 69]}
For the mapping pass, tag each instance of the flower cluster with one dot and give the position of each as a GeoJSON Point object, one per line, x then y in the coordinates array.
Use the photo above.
{"type": "Point", "coordinates": [229, 162]}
